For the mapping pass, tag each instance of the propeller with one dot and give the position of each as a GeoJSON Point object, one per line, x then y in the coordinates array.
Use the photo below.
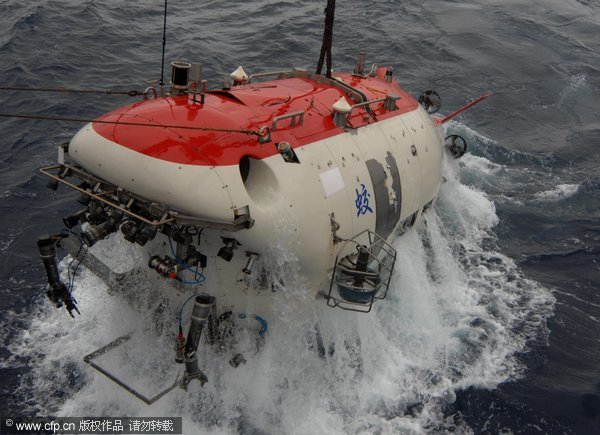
{"type": "Point", "coordinates": [456, 145]}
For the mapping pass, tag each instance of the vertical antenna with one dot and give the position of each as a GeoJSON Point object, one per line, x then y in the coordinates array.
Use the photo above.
{"type": "Point", "coordinates": [164, 45]}
{"type": "Point", "coordinates": [327, 38]}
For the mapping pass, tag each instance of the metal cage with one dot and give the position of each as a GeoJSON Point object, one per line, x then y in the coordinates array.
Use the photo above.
{"type": "Point", "coordinates": [363, 276]}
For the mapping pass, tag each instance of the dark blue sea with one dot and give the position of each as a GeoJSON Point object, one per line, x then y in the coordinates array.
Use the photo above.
{"type": "Point", "coordinates": [493, 321]}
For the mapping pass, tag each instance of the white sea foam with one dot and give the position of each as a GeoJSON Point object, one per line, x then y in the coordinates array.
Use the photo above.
{"type": "Point", "coordinates": [482, 165]}
{"type": "Point", "coordinates": [561, 191]}
{"type": "Point", "coordinates": [575, 82]}
{"type": "Point", "coordinates": [457, 315]}
{"type": "Point", "coordinates": [8, 240]}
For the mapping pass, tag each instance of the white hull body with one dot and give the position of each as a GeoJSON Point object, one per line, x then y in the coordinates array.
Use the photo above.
{"type": "Point", "coordinates": [291, 204]}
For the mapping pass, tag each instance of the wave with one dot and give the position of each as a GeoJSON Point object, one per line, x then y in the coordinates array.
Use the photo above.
{"type": "Point", "coordinates": [560, 192]}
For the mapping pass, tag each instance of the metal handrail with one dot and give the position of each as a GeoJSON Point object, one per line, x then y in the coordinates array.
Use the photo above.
{"type": "Point", "coordinates": [366, 103]}
{"type": "Point", "coordinates": [293, 115]}
{"type": "Point", "coordinates": [267, 74]}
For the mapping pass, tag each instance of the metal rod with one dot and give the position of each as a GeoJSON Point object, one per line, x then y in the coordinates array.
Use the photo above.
{"type": "Point", "coordinates": [268, 73]}
{"type": "Point", "coordinates": [132, 93]}
{"type": "Point", "coordinates": [164, 45]}
{"type": "Point", "coordinates": [137, 124]}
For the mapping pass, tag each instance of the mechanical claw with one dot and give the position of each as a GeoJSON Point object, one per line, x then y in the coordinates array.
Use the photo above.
{"type": "Point", "coordinates": [192, 371]}
{"type": "Point", "coordinates": [57, 292]}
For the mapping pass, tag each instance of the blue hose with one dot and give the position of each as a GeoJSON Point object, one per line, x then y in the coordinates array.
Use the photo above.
{"type": "Point", "coordinates": [264, 325]}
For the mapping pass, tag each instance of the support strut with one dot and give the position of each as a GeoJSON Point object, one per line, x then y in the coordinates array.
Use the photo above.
{"type": "Point", "coordinates": [327, 39]}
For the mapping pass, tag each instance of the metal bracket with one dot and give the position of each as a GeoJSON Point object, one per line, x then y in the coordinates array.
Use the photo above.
{"type": "Point", "coordinates": [264, 135]}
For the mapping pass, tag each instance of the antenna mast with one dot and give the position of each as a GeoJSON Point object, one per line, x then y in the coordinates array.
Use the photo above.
{"type": "Point", "coordinates": [327, 39]}
{"type": "Point", "coordinates": [164, 45]}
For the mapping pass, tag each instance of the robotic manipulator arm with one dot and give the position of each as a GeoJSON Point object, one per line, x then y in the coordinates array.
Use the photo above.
{"type": "Point", "coordinates": [58, 293]}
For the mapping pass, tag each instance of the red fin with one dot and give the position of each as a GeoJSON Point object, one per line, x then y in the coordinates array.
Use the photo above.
{"type": "Point", "coordinates": [462, 109]}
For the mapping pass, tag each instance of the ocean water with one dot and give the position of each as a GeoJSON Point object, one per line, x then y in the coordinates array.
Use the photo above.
{"type": "Point", "coordinates": [493, 320]}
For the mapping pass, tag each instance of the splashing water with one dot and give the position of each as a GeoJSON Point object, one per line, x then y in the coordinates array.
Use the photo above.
{"type": "Point", "coordinates": [562, 191]}
{"type": "Point", "coordinates": [458, 315]}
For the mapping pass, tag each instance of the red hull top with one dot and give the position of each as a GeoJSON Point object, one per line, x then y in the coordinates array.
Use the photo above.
{"type": "Point", "coordinates": [246, 107]}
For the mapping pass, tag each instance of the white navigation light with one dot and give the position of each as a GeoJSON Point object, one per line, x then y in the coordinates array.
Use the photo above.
{"type": "Point", "coordinates": [239, 76]}
{"type": "Point", "coordinates": [341, 109]}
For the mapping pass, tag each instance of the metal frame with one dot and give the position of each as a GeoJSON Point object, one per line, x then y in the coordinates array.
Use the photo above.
{"type": "Point", "coordinates": [89, 359]}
